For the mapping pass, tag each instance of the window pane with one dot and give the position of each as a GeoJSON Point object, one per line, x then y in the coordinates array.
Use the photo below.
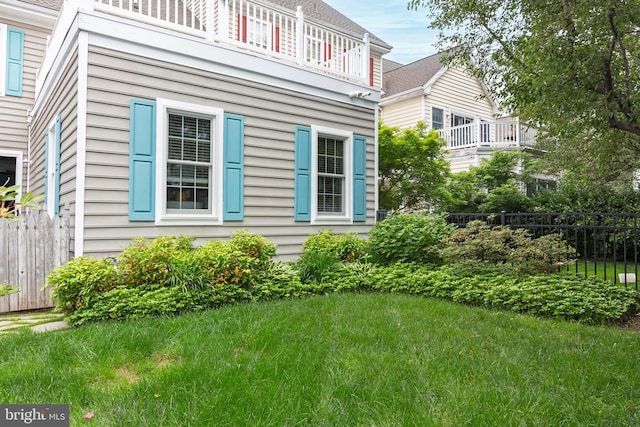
{"type": "Point", "coordinates": [330, 194]}
{"type": "Point", "coordinates": [189, 162]}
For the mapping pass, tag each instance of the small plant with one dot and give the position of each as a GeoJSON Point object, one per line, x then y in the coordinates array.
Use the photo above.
{"type": "Point", "coordinates": [9, 205]}
{"type": "Point", "coordinates": [324, 252]}
{"type": "Point", "coordinates": [409, 237]}
{"type": "Point", "coordinates": [7, 290]}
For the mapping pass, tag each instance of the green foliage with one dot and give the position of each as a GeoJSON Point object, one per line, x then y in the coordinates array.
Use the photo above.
{"type": "Point", "coordinates": [75, 284]}
{"type": "Point", "coordinates": [8, 290]}
{"type": "Point", "coordinates": [254, 246]}
{"type": "Point", "coordinates": [507, 197]}
{"type": "Point", "coordinates": [9, 205]}
{"type": "Point", "coordinates": [559, 295]}
{"type": "Point", "coordinates": [493, 186]}
{"type": "Point", "coordinates": [409, 237]}
{"type": "Point", "coordinates": [412, 168]}
{"type": "Point", "coordinates": [479, 243]}
{"type": "Point", "coordinates": [570, 67]}
{"type": "Point", "coordinates": [154, 263]}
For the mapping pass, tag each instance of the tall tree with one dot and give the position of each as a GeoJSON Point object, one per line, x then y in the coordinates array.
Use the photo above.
{"type": "Point", "coordinates": [571, 67]}
{"type": "Point", "coordinates": [412, 168]}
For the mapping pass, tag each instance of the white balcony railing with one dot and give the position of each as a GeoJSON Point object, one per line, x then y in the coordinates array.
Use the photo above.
{"type": "Point", "coordinates": [251, 25]}
{"type": "Point", "coordinates": [494, 134]}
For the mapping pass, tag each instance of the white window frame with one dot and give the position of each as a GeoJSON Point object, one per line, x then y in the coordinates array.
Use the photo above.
{"type": "Point", "coordinates": [164, 107]}
{"type": "Point", "coordinates": [51, 168]}
{"type": "Point", "coordinates": [452, 113]}
{"type": "Point", "coordinates": [18, 156]}
{"type": "Point", "coordinates": [346, 217]}
{"type": "Point", "coordinates": [3, 58]}
{"type": "Point", "coordinates": [444, 117]}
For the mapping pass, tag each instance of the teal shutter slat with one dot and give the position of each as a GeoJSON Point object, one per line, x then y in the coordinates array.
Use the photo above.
{"type": "Point", "coordinates": [302, 184]}
{"type": "Point", "coordinates": [15, 57]}
{"type": "Point", "coordinates": [359, 178]}
{"type": "Point", "coordinates": [233, 172]}
{"type": "Point", "coordinates": [142, 171]}
{"type": "Point", "coordinates": [56, 183]}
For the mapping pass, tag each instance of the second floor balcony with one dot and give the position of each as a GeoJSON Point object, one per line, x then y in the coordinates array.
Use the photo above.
{"type": "Point", "coordinates": [500, 134]}
{"type": "Point", "coordinates": [261, 27]}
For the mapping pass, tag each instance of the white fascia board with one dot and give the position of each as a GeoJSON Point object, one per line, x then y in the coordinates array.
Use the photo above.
{"type": "Point", "coordinates": [169, 46]}
{"type": "Point", "coordinates": [427, 86]}
{"type": "Point", "coordinates": [63, 57]}
{"type": "Point", "coordinates": [411, 93]}
{"type": "Point", "coordinates": [28, 13]}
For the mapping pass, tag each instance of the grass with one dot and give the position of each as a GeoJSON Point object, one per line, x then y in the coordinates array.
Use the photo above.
{"type": "Point", "coordinates": [342, 359]}
{"type": "Point", "coordinates": [608, 270]}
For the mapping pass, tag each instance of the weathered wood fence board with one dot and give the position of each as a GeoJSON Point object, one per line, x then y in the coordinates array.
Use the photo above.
{"type": "Point", "coordinates": [30, 247]}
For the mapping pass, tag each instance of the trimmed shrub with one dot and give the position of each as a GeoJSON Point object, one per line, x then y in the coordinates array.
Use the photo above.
{"type": "Point", "coordinates": [409, 237]}
{"type": "Point", "coordinates": [153, 263]}
{"type": "Point", "coordinates": [478, 244]}
{"type": "Point", "coordinates": [76, 284]}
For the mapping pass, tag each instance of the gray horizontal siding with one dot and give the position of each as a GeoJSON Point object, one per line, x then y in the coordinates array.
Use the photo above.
{"type": "Point", "coordinates": [13, 110]}
{"type": "Point", "coordinates": [271, 115]}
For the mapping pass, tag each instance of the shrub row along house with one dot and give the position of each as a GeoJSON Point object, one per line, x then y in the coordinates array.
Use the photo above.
{"type": "Point", "coordinates": [166, 117]}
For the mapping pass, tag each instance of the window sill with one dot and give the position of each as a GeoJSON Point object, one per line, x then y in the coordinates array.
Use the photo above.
{"type": "Point", "coordinates": [187, 219]}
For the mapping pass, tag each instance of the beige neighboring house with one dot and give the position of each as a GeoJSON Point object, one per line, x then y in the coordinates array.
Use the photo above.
{"type": "Point", "coordinates": [194, 117]}
{"type": "Point", "coordinates": [455, 104]}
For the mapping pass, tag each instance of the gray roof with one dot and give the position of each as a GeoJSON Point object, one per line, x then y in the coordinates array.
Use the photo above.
{"type": "Point", "coordinates": [314, 9]}
{"type": "Point", "coordinates": [399, 78]}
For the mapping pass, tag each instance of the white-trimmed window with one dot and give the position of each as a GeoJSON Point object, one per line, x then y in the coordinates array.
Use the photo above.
{"type": "Point", "coordinates": [437, 118]}
{"type": "Point", "coordinates": [11, 169]}
{"type": "Point", "coordinates": [331, 185]}
{"type": "Point", "coordinates": [189, 163]}
{"type": "Point", "coordinates": [258, 33]}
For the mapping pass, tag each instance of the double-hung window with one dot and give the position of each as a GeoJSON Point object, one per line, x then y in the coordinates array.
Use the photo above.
{"type": "Point", "coordinates": [189, 162]}
{"type": "Point", "coordinates": [437, 118]}
{"type": "Point", "coordinates": [331, 175]}
{"type": "Point", "coordinates": [331, 186]}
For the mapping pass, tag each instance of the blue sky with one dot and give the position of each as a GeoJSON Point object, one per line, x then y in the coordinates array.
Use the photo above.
{"type": "Point", "coordinates": [405, 30]}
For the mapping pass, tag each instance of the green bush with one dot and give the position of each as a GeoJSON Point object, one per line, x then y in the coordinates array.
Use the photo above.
{"type": "Point", "coordinates": [253, 246]}
{"type": "Point", "coordinates": [154, 263]}
{"type": "Point", "coordinates": [324, 252]}
{"type": "Point", "coordinates": [479, 243]}
{"type": "Point", "coordinates": [76, 284]}
{"type": "Point", "coordinates": [558, 295]}
{"type": "Point", "coordinates": [409, 237]}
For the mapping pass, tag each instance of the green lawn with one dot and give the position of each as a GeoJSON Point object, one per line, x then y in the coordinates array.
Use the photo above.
{"type": "Point", "coordinates": [337, 360]}
{"type": "Point", "coordinates": [608, 270]}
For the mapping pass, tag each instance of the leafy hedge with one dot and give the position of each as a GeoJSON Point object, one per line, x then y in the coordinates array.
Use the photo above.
{"type": "Point", "coordinates": [169, 275]}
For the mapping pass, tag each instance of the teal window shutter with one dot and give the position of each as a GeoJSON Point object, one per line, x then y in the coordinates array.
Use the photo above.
{"type": "Point", "coordinates": [302, 184]}
{"type": "Point", "coordinates": [233, 170]}
{"type": "Point", "coordinates": [359, 178]}
{"type": "Point", "coordinates": [57, 150]}
{"type": "Point", "coordinates": [15, 57]}
{"type": "Point", "coordinates": [142, 171]}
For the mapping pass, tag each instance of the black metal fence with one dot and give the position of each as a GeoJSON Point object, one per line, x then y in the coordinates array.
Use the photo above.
{"type": "Point", "coordinates": [607, 243]}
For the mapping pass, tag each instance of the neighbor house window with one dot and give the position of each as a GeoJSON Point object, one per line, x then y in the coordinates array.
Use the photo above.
{"type": "Point", "coordinates": [189, 161]}
{"type": "Point", "coordinates": [437, 118]}
{"type": "Point", "coordinates": [258, 33]}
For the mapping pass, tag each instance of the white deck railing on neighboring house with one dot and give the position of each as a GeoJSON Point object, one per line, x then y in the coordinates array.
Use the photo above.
{"type": "Point", "coordinates": [501, 133]}
{"type": "Point", "coordinates": [251, 25]}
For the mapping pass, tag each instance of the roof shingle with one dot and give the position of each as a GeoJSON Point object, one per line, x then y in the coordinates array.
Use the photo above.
{"type": "Point", "coordinates": [401, 78]}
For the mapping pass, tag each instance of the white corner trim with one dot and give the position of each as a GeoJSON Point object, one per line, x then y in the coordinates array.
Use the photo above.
{"type": "Point", "coordinates": [81, 144]}
{"type": "Point", "coordinates": [163, 106]}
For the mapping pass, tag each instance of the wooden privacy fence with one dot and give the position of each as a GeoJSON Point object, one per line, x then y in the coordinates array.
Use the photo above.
{"type": "Point", "coordinates": [30, 248]}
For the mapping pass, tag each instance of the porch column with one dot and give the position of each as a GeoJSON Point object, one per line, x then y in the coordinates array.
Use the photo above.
{"type": "Point", "coordinates": [517, 131]}
{"type": "Point", "coordinates": [300, 35]}
{"type": "Point", "coordinates": [366, 53]}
